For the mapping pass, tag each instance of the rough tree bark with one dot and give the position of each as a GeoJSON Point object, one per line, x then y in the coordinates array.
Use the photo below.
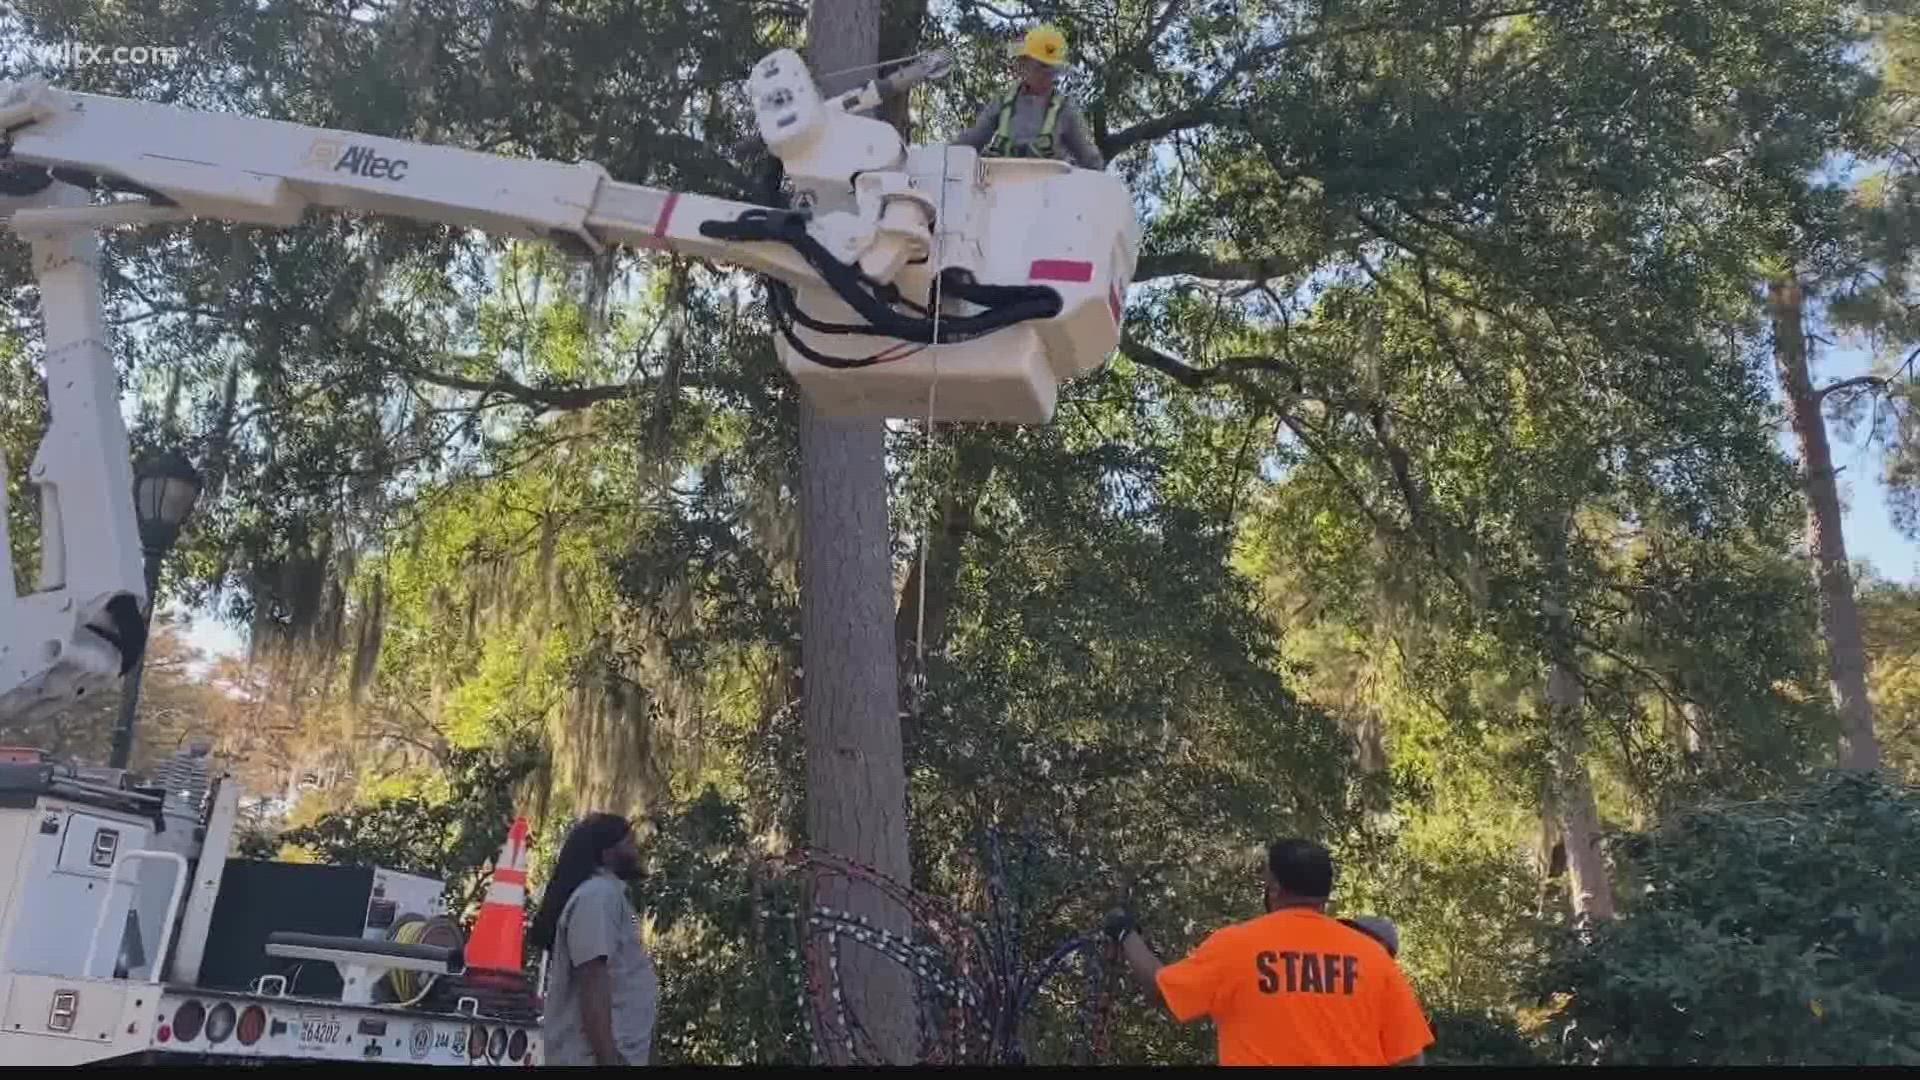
{"type": "Point", "coordinates": [1839, 615]}
{"type": "Point", "coordinates": [1687, 729]}
{"type": "Point", "coordinates": [1577, 813]}
{"type": "Point", "coordinates": [1570, 797]}
{"type": "Point", "coordinates": [856, 771]}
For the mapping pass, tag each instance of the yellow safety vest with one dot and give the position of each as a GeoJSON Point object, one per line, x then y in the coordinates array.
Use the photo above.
{"type": "Point", "coordinates": [1002, 145]}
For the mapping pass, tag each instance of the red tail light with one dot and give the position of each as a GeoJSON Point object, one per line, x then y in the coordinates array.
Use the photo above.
{"type": "Point", "coordinates": [253, 1024]}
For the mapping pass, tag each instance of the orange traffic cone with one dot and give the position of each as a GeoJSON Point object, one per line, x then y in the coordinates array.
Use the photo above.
{"type": "Point", "coordinates": [498, 946]}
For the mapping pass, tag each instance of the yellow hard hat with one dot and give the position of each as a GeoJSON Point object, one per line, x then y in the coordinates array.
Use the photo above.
{"type": "Point", "coordinates": [1045, 44]}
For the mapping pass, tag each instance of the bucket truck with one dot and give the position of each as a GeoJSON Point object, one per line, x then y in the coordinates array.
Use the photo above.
{"type": "Point", "coordinates": [132, 932]}
{"type": "Point", "coordinates": [917, 281]}
{"type": "Point", "coordinates": [920, 281]}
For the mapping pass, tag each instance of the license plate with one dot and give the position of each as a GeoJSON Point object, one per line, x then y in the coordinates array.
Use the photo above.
{"type": "Point", "coordinates": [319, 1031]}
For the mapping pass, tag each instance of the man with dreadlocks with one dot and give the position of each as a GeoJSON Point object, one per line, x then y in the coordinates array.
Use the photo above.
{"type": "Point", "coordinates": [1034, 118]}
{"type": "Point", "coordinates": [604, 993]}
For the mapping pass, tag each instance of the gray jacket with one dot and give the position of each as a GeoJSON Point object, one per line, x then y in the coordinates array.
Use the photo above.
{"type": "Point", "coordinates": [599, 921]}
{"type": "Point", "coordinates": [1071, 139]}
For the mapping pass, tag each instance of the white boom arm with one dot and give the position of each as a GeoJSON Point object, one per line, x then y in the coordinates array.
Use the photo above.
{"type": "Point", "coordinates": [906, 282]}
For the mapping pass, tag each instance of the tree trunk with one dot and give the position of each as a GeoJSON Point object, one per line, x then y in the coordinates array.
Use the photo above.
{"type": "Point", "coordinates": [1826, 542]}
{"type": "Point", "coordinates": [1570, 796]}
{"type": "Point", "coordinates": [1688, 728]}
{"type": "Point", "coordinates": [856, 769]}
{"type": "Point", "coordinates": [856, 772]}
{"type": "Point", "coordinates": [1591, 884]}
{"type": "Point", "coordinates": [666, 395]}
{"type": "Point", "coordinates": [959, 499]}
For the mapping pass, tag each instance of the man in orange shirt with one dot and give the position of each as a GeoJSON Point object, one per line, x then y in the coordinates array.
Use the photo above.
{"type": "Point", "coordinates": [1293, 987]}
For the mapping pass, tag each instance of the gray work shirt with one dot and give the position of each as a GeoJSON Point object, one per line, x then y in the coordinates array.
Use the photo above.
{"type": "Point", "coordinates": [599, 921]}
{"type": "Point", "coordinates": [1071, 139]}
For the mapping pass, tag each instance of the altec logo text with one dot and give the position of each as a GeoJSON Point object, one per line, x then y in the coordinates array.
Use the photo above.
{"type": "Point", "coordinates": [332, 155]}
{"type": "Point", "coordinates": [362, 161]}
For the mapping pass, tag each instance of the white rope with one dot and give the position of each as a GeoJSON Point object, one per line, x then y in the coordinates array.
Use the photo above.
{"type": "Point", "coordinates": [920, 628]}
{"type": "Point", "coordinates": [927, 527]}
{"type": "Point", "coordinates": [875, 66]}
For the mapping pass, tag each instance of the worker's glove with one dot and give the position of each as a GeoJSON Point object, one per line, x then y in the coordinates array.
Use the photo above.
{"type": "Point", "coordinates": [1119, 924]}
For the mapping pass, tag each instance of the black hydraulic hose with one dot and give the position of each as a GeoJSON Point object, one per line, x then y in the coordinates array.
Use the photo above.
{"type": "Point", "coordinates": [17, 180]}
{"type": "Point", "coordinates": [1005, 306]}
{"type": "Point", "coordinates": [823, 359]}
{"type": "Point", "coordinates": [953, 280]}
{"type": "Point", "coordinates": [784, 295]}
{"type": "Point", "coordinates": [1015, 303]}
{"type": "Point", "coordinates": [786, 312]}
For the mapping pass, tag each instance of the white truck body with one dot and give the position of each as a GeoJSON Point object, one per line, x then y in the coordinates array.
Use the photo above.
{"type": "Point", "coordinates": [81, 982]}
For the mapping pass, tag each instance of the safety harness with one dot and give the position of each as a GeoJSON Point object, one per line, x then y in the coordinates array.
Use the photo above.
{"type": "Point", "coordinates": [1041, 145]}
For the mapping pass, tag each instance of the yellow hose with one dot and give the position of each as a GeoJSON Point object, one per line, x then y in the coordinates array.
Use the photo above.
{"type": "Point", "coordinates": [407, 931]}
{"type": "Point", "coordinates": [409, 987]}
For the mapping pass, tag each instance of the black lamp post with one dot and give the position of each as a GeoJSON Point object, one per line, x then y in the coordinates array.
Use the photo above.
{"type": "Point", "coordinates": [165, 489]}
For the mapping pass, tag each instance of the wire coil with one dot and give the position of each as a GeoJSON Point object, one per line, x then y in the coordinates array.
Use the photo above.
{"type": "Point", "coordinates": [409, 988]}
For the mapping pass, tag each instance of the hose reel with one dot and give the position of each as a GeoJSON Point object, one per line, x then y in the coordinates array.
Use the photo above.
{"type": "Point", "coordinates": [409, 988]}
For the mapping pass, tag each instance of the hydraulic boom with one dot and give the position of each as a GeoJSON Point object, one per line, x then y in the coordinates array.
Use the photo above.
{"type": "Point", "coordinates": [918, 281]}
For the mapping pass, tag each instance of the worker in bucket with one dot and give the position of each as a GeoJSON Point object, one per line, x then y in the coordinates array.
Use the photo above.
{"type": "Point", "coordinates": [603, 996]}
{"type": "Point", "coordinates": [1034, 117]}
